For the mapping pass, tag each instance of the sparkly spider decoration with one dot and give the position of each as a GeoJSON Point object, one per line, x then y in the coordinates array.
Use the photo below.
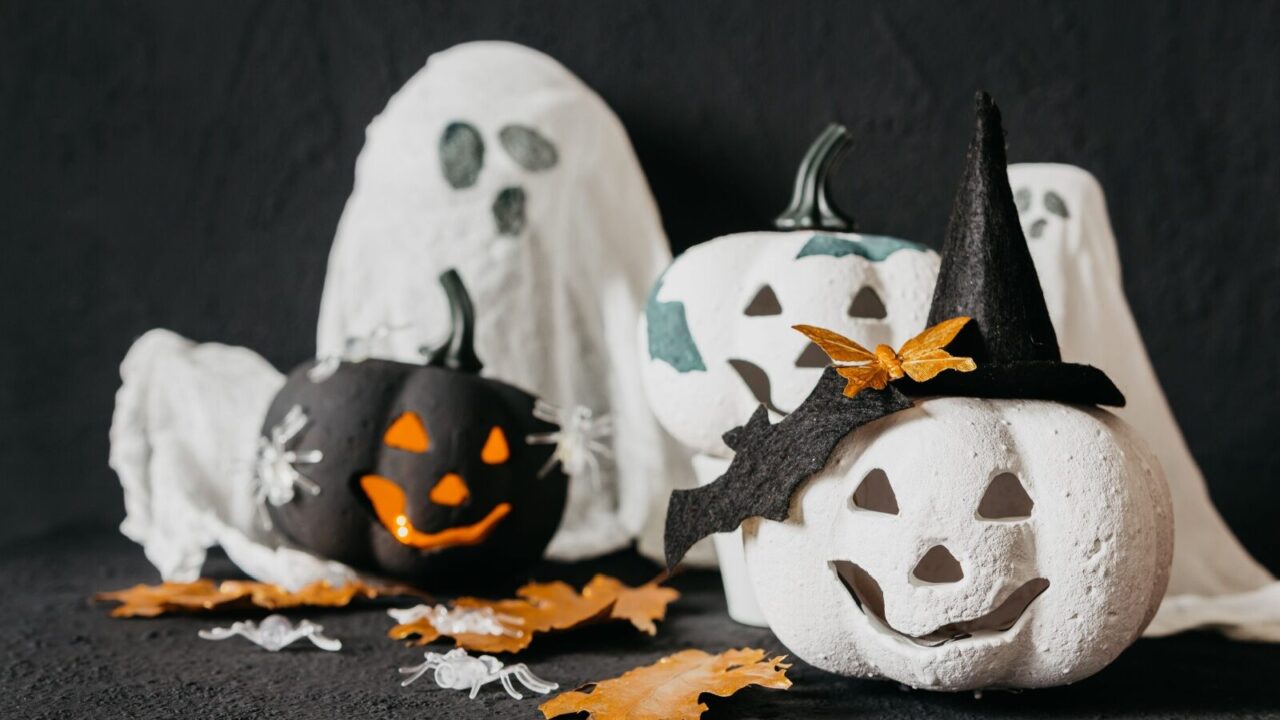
{"type": "Point", "coordinates": [355, 349]}
{"type": "Point", "coordinates": [276, 475]}
{"type": "Point", "coordinates": [274, 633]}
{"type": "Point", "coordinates": [478, 621]}
{"type": "Point", "coordinates": [456, 670]}
{"type": "Point", "coordinates": [579, 441]}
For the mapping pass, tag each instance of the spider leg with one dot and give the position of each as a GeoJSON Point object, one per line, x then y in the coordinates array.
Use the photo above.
{"type": "Point", "coordinates": [531, 681]}
{"type": "Point", "coordinates": [417, 671]}
{"type": "Point", "coordinates": [505, 677]}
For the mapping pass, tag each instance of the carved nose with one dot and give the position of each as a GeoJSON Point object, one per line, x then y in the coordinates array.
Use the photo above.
{"type": "Point", "coordinates": [938, 566]}
{"type": "Point", "coordinates": [450, 491]}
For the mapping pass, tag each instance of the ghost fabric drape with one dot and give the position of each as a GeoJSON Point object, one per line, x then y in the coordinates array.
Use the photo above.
{"type": "Point", "coordinates": [497, 161]}
{"type": "Point", "coordinates": [1214, 580]}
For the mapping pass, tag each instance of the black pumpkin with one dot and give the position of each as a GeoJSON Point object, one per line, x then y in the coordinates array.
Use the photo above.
{"type": "Point", "coordinates": [425, 472]}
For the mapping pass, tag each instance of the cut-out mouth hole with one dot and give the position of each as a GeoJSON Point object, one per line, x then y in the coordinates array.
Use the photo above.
{"type": "Point", "coordinates": [867, 595]}
{"type": "Point", "coordinates": [757, 381]}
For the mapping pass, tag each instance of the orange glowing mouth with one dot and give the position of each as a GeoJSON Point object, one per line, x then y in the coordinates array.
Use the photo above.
{"type": "Point", "coordinates": [389, 505]}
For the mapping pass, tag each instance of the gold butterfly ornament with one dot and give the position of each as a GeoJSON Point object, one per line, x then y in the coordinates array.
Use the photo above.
{"type": "Point", "coordinates": [921, 358]}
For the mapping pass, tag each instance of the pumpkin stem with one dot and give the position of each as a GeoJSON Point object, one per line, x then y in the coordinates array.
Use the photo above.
{"type": "Point", "coordinates": [458, 351]}
{"type": "Point", "coordinates": [810, 208]}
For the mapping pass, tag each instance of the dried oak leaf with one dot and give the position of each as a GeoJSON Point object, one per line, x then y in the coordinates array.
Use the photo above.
{"type": "Point", "coordinates": [551, 607]}
{"type": "Point", "coordinates": [670, 688]}
{"type": "Point", "coordinates": [201, 595]}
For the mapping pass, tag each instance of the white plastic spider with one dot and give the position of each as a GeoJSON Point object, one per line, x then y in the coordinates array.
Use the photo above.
{"type": "Point", "coordinates": [578, 441]}
{"type": "Point", "coordinates": [274, 633]}
{"type": "Point", "coordinates": [456, 670]}
{"type": "Point", "coordinates": [458, 620]}
{"type": "Point", "coordinates": [274, 466]}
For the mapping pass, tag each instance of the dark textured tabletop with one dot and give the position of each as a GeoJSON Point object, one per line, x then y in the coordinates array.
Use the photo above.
{"type": "Point", "coordinates": [63, 657]}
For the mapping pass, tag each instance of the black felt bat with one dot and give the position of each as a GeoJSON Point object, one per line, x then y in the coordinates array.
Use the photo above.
{"type": "Point", "coordinates": [772, 460]}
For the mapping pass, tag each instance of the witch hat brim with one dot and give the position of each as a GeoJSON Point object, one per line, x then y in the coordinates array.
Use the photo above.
{"type": "Point", "coordinates": [987, 274]}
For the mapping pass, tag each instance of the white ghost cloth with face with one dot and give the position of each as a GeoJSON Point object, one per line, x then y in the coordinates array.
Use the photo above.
{"type": "Point", "coordinates": [185, 441]}
{"type": "Point", "coordinates": [497, 161]}
{"type": "Point", "coordinates": [1214, 581]}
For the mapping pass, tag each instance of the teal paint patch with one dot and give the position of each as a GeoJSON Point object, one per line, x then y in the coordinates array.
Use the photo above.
{"type": "Point", "coordinates": [669, 338]}
{"type": "Point", "coordinates": [872, 247]}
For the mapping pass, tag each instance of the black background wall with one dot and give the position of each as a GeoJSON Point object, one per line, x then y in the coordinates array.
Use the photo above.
{"type": "Point", "coordinates": [184, 164]}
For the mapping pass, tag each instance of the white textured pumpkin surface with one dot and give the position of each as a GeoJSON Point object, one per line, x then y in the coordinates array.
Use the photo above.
{"type": "Point", "coordinates": [1100, 532]}
{"type": "Point", "coordinates": [717, 280]}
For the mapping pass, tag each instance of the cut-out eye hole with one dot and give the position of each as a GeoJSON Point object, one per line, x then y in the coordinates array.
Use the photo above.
{"type": "Point", "coordinates": [867, 304]}
{"type": "Point", "coordinates": [1005, 499]}
{"type": "Point", "coordinates": [876, 494]}
{"type": "Point", "coordinates": [461, 154]}
{"type": "Point", "coordinates": [407, 433]}
{"type": "Point", "coordinates": [813, 357]}
{"type": "Point", "coordinates": [764, 303]}
{"type": "Point", "coordinates": [495, 451]}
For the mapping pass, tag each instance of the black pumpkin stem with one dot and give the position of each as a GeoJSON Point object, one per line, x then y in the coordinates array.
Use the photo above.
{"type": "Point", "coordinates": [810, 208]}
{"type": "Point", "coordinates": [458, 351]}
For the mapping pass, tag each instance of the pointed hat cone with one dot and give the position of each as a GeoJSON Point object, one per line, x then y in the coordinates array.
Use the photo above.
{"type": "Point", "coordinates": [987, 274]}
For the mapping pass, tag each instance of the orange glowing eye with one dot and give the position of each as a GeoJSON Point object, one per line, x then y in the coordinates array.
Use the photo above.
{"type": "Point", "coordinates": [407, 433]}
{"type": "Point", "coordinates": [495, 450]}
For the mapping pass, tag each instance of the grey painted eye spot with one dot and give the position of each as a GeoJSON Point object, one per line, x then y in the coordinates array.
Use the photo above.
{"type": "Point", "coordinates": [867, 304]}
{"type": "Point", "coordinates": [1054, 203]}
{"type": "Point", "coordinates": [764, 303]}
{"type": "Point", "coordinates": [1037, 228]}
{"type": "Point", "coordinates": [508, 211]}
{"type": "Point", "coordinates": [528, 147]}
{"type": "Point", "coordinates": [461, 154]}
{"type": "Point", "coordinates": [1022, 198]}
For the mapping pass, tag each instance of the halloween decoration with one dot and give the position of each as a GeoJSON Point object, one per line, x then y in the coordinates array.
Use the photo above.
{"type": "Point", "coordinates": [456, 670]}
{"type": "Point", "coordinates": [1004, 534]}
{"type": "Point", "coordinates": [497, 161]}
{"type": "Point", "coordinates": [715, 331]}
{"type": "Point", "coordinates": [671, 688]}
{"type": "Point", "coordinates": [509, 625]}
{"type": "Point", "coordinates": [1214, 582]}
{"type": "Point", "coordinates": [275, 633]}
{"type": "Point", "coordinates": [206, 595]}
{"type": "Point", "coordinates": [425, 472]}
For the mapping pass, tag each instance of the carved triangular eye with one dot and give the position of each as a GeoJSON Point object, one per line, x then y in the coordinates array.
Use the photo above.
{"type": "Point", "coordinates": [495, 450]}
{"type": "Point", "coordinates": [813, 357]}
{"type": "Point", "coordinates": [764, 303]}
{"type": "Point", "coordinates": [867, 304]}
{"type": "Point", "coordinates": [407, 433]}
{"type": "Point", "coordinates": [876, 494]}
{"type": "Point", "coordinates": [1005, 499]}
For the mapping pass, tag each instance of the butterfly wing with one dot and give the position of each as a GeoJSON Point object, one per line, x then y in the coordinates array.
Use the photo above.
{"type": "Point", "coordinates": [861, 376]}
{"type": "Point", "coordinates": [934, 338]}
{"type": "Point", "coordinates": [926, 366]}
{"type": "Point", "coordinates": [837, 347]}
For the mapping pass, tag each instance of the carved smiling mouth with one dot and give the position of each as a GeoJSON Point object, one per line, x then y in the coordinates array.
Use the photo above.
{"type": "Point", "coordinates": [389, 505]}
{"type": "Point", "coordinates": [866, 593]}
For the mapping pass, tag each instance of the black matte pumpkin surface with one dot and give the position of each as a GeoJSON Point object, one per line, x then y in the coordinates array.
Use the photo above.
{"type": "Point", "coordinates": [348, 415]}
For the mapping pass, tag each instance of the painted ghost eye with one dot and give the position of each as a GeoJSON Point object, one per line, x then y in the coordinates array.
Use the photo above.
{"type": "Point", "coordinates": [875, 493]}
{"type": "Point", "coordinates": [407, 433]}
{"type": "Point", "coordinates": [495, 451]}
{"type": "Point", "coordinates": [461, 154]}
{"type": "Point", "coordinates": [528, 147]}
{"type": "Point", "coordinates": [1022, 198]}
{"type": "Point", "coordinates": [1005, 499]}
{"type": "Point", "coordinates": [764, 303]}
{"type": "Point", "coordinates": [1054, 203]}
{"type": "Point", "coordinates": [867, 304]}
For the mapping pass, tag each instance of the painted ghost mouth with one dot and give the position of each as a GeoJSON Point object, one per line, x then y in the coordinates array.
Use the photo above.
{"type": "Point", "coordinates": [867, 595]}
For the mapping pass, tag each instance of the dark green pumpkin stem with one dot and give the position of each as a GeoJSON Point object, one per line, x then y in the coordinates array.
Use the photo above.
{"type": "Point", "coordinates": [458, 351]}
{"type": "Point", "coordinates": [810, 208]}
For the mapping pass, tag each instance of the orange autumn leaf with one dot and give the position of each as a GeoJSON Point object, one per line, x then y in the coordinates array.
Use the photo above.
{"type": "Point", "coordinates": [204, 595]}
{"type": "Point", "coordinates": [921, 358]}
{"type": "Point", "coordinates": [550, 607]}
{"type": "Point", "coordinates": [670, 688]}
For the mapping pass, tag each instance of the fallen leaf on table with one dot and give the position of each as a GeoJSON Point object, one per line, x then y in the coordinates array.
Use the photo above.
{"type": "Point", "coordinates": [203, 595]}
{"type": "Point", "coordinates": [551, 607]}
{"type": "Point", "coordinates": [669, 689]}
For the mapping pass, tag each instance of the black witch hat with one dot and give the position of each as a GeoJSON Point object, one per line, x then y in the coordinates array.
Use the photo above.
{"type": "Point", "coordinates": [987, 275]}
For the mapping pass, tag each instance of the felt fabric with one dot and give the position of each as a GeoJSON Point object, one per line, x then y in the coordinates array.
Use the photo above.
{"type": "Point", "coordinates": [771, 460]}
{"type": "Point", "coordinates": [496, 160]}
{"type": "Point", "coordinates": [1214, 581]}
{"type": "Point", "coordinates": [183, 441]}
{"type": "Point", "coordinates": [987, 274]}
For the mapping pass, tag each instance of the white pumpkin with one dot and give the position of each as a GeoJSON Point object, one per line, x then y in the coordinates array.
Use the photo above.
{"type": "Point", "coordinates": [968, 543]}
{"type": "Point", "coordinates": [716, 331]}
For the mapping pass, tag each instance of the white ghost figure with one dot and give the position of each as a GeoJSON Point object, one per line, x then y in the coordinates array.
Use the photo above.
{"type": "Point", "coordinates": [1214, 580]}
{"type": "Point", "coordinates": [497, 161]}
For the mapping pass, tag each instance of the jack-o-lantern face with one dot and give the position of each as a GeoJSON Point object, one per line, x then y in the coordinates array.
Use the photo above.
{"type": "Point", "coordinates": [969, 543]}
